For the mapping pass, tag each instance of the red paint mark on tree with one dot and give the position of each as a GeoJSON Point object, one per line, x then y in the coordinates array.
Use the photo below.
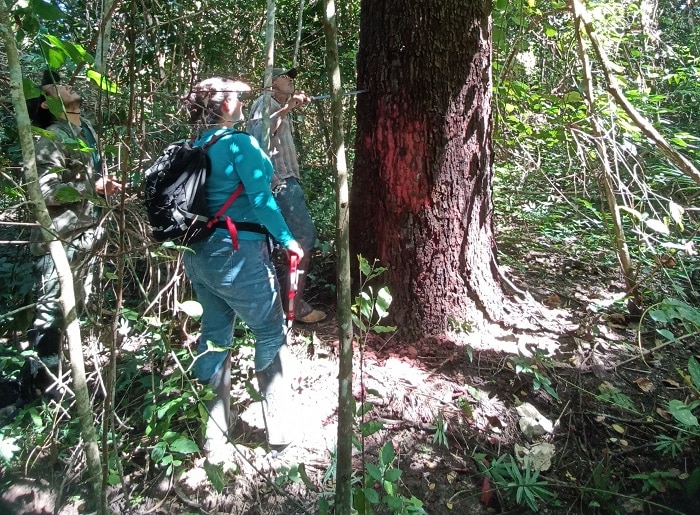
{"type": "Point", "coordinates": [401, 143]}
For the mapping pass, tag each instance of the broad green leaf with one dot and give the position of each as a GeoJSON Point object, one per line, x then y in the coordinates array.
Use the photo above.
{"type": "Point", "coordinates": [358, 322]}
{"type": "Point", "coordinates": [694, 370]}
{"type": "Point", "coordinates": [77, 53]}
{"type": "Point", "coordinates": [365, 269]}
{"type": "Point", "coordinates": [212, 346]}
{"type": "Point", "coordinates": [103, 82]}
{"type": "Point", "coordinates": [78, 145]}
{"type": "Point", "coordinates": [191, 308]}
{"type": "Point", "coordinates": [184, 446]}
{"type": "Point", "coordinates": [374, 471]}
{"type": "Point", "coordinates": [254, 394]}
{"type": "Point", "coordinates": [167, 407]}
{"type": "Point", "coordinates": [29, 88]}
{"type": "Point", "coordinates": [393, 475]}
{"type": "Point", "coordinates": [679, 142]}
{"type": "Point", "coordinates": [384, 328]}
{"type": "Point", "coordinates": [383, 302]}
{"type": "Point", "coordinates": [573, 97]}
{"type": "Point", "coordinates": [677, 213]}
{"type": "Point", "coordinates": [681, 412]}
{"type": "Point", "coordinates": [46, 11]}
{"type": "Point", "coordinates": [631, 211]}
{"type": "Point", "coordinates": [657, 225]}
{"type": "Point", "coordinates": [371, 495]}
{"type": "Point", "coordinates": [666, 334]}
{"type": "Point", "coordinates": [44, 133]}
{"type": "Point", "coordinates": [55, 57]}
{"type": "Point", "coordinates": [692, 484]}
{"type": "Point", "coordinates": [215, 474]}
{"type": "Point", "coordinates": [415, 501]}
{"type": "Point", "coordinates": [366, 304]}
{"type": "Point", "coordinates": [55, 106]}
{"type": "Point", "coordinates": [8, 449]}
{"type": "Point", "coordinates": [370, 427]}
{"type": "Point", "coordinates": [158, 452]}
{"type": "Point", "coordinates": [659, 315]}
{"type": "Point", "coordinates": [68, 195]}
{"type": "Point", "coordinates": [387, 454]}
{"type": "Point", "coordinates": [365, 408]}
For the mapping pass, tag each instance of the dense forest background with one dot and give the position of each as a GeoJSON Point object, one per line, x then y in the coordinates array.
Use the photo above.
{"type": "Point", "coordinates": [596, 184]}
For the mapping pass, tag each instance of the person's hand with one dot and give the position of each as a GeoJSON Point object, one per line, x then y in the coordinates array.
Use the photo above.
{"type": "Point", "coordinates": [297, 99]}
{"type": "Point", "coordinates": [108, 185]}
{"type": "Point", "coordinates": [294, 248]}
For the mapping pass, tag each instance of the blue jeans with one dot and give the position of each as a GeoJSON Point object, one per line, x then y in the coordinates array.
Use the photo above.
{"type": "Point", "coordinates": [230, 283]}
{"type": "Point", "coordinates": [292, 203]}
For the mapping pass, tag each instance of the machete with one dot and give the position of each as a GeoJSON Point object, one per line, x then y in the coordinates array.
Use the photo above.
{"type": "Point", "coordinates": [328, 95]}
{"type": "Point", "coordinates": [292, 284]}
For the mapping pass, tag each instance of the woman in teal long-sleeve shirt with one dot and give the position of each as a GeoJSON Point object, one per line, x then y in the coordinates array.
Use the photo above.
{"type": "Point", "coordinates": [242, 282]}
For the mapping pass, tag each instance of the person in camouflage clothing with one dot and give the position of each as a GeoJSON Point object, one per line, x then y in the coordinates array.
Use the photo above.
{"type": "Point", "coordinates": [69, 179]}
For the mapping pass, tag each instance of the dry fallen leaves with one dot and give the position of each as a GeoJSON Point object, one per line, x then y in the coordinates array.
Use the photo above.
{"type": "Point", "coordinates": [645, 384]}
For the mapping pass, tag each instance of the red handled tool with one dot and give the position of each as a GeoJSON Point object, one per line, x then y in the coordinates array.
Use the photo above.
{"type": "Point", "coordinates": [292, 283]}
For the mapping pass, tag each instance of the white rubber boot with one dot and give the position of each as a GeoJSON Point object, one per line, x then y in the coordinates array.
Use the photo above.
{"type": "Point", "coordinates": [276, 390]}
{"type": "Point", "coordinates": [216, 435]}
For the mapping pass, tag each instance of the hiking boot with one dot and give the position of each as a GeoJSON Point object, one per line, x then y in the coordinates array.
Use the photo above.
{"type": "Point", "coordinates": [313, 316]}
{"type": "Point", "coordinates": [40, 376]}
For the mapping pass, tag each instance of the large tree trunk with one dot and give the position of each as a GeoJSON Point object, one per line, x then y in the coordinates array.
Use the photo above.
{"type": "Point", "coordinates": [422, 191]}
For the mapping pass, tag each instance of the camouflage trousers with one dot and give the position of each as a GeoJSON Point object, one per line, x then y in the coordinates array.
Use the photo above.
{"type": "Point", "coordinates": [49, 312]}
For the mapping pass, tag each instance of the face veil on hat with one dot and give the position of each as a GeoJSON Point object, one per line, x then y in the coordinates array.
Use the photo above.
{"type": "Point", "coordinates": [278, 72]}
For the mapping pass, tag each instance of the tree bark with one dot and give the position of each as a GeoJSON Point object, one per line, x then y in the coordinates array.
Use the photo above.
{"type": "Point", "coordinates": [346, 413]}
{"type": "Point", "coordinates": [82, 399]}
{"type": "Point", "coordinates": [422, 184]}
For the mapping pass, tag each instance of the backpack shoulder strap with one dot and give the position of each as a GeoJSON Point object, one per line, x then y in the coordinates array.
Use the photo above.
{"type": "Point", "coordinates": [216, 137]}
{"type": "Point", "coordinates": [229, 201]}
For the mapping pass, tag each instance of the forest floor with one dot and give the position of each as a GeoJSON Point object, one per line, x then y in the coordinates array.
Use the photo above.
{"type": "Point", "coordinates": [455, 406]}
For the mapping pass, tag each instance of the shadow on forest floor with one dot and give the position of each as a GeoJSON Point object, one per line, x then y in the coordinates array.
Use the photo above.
{"type": "Point", "coordinates": [455, 406]}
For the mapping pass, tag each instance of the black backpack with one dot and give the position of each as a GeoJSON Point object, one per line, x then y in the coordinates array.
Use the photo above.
{"type": "Point", "coordinates": [174, 198]}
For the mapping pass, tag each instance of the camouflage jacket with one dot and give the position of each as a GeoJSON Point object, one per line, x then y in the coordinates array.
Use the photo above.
{"type": "Point", "coordinates": [66, 177]}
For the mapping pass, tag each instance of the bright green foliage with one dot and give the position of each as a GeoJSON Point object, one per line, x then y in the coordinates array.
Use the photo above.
{"type": "Point", "coordinates": [537, 368]}
{"type": "Point", "coordinates": [384, 476]}
{"type": "Point", "coordinates": [548, 165]}
{"type": "Point", "coordinates": [521, 487]}
{"type": "Point", "coordinates": [170, 451]}
{"type": "Point", "coordinates": [369, 308]}
{"type": "Point", "coordinates": [658, 481]}
{"type": "Point", "coordinates": [613, 395]}
{"type": "Point", "coordinates": [440, 428]}
{"type": "Point", "coordinates": [675, 316]}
